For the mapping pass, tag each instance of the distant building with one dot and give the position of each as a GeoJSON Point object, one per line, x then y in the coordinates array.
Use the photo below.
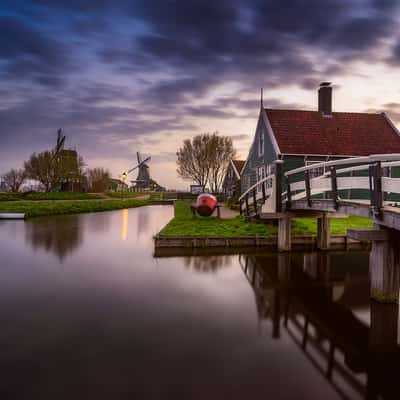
{"type": "Point", "coordinates": [231, 183]}
{"type": "Point", "coordinates": [117, 185]}
{"type": "Point", "coordinates": [302, 138]}
{"type": "Point", "coordinates": [3, 186]}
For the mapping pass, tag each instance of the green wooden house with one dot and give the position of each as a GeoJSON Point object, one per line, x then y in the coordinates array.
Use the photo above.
{"type": "Point", "coordinates": [231, 183]}
{"type": "Point", "coordinates": [300, 138]}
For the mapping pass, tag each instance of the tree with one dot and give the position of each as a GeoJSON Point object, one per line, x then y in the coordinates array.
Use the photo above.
{"type": "Point", "coordinates": [14, 179]}
{"type": "Point", "coordinates": [220, 153]}
{"type": "Point", "coordinates": [205, 159]}
{"type": "Point", "coordinates": [52, 169]}
{"type": "Point", "coordinates": [98, 179]}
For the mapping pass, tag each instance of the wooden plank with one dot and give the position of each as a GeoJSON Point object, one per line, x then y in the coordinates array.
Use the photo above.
{"type": "Point", "coordinates": [366, 235]}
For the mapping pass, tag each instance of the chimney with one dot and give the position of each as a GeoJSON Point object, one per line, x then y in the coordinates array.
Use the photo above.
{"type": "Point", "coordinates": [325, 98]}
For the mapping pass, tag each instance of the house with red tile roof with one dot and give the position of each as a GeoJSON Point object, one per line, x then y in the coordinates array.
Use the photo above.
{"type": "Point", "coordinates": [301, 138]}
{"type": "Point", "coordinates": [231, 183]}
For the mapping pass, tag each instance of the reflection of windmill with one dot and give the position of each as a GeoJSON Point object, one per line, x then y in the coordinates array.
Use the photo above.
{"type": "Point", "coordinates": [143, 180]}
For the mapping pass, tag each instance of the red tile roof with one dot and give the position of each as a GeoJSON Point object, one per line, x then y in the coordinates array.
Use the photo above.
{"type": "Point", "coordinates": [349, 134]}
{"type": "Point", "coordinates": [238, 165]}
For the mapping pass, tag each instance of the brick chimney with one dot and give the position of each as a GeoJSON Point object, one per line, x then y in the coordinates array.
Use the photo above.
{"type": "Point", "coordinates": [325, 98]}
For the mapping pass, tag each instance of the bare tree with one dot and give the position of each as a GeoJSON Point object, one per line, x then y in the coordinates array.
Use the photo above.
{"type": "Point", "coordinates": [220, 153]}
{"type": "Point", "coordinates": [98, 179]}
{"type": "Point", "coordinates": [192, 159]}
{"type": "Point", "coordinates": [205, 158]}
{"type": "Point", "coordinates": [13, 179]}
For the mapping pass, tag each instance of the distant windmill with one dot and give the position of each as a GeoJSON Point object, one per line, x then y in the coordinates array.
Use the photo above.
{"type": "Point", "coordinates": [143, 180]}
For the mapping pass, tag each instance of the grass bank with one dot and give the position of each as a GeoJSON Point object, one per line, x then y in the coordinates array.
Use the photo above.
{"type": "Point", "coordinates": [42, 208]}
{"type": "Point", "coordinates": [48, 196]}
{"type": "Point", "coordinates": [183, 224]}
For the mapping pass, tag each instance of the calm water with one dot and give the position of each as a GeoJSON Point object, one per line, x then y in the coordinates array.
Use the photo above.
{"type": "Point", "coordinates": [87, 312]}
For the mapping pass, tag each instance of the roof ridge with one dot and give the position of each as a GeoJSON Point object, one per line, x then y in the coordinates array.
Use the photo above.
{"type": "Point", "coordinates": [333, 112]}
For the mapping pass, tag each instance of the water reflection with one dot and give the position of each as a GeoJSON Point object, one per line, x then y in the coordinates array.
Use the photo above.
{"type": "Point", "coordinates": [124, 232]}
{"type": "Point", "coordinates": [58, 235]}
{"type": "Point", "coordinates": [207, 263]}
{"type": "Point", "coordinates": [315, 299]}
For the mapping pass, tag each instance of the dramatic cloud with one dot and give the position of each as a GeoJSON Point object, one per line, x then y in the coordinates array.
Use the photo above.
{"type": "Point", "coordinates": [121, 76]}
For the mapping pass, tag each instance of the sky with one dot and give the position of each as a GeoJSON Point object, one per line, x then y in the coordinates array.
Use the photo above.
{"type": "Point", "coordinates": [123, 76]}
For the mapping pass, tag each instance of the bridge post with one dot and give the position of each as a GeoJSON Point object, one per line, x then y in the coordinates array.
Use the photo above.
{"type": "Point", "coordinates": [375, 176]}
{"type": "Point", "coordinates": [308, 187]}
{"type": "Point", "coordinates": [334, 187]}
{"type": "Point", "coordinates": [278, 185]}
{"type": "Point", "coordinates": [255, 200]}
{"type": "Point", "coordinates": [288, 193]}
{"type": "Point", "coordinates": [284, 233]}
{"type": "Point", "coordinates": [323, 232]}
{"type": "Point", "coordinates": [384, 268]}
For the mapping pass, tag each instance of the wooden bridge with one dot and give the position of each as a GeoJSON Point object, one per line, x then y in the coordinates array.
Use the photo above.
{"type": "Point", "coordinates": [360, 186]}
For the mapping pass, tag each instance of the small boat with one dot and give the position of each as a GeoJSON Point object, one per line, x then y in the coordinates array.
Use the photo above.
{"type": "Point", "coordinates": [12, 216]}
{"type": "Point", "coordinates": [205, 204]}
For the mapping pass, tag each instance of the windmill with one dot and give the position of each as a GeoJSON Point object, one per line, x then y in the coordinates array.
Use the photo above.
{"type": "Point", "coordinates": [60, 143]}
{"type": "Point", "coordinates": [143, 180]}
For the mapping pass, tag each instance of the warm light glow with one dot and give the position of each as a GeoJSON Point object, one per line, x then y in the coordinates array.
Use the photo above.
{"type": "Point", "coordinates": [124, 233]}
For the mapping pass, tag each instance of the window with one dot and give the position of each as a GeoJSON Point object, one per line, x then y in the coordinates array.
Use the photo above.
{"type": "Point", "coordinates": [261, 143]}
{"type": "Point", "coordinates": [260, 175]}
{"type": "Point", "coordinates": [315, 172]}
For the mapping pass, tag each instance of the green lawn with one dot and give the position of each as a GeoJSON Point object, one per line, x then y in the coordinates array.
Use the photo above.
{"type": "Point", "coordinates": [41, 208]}
{"type": "Point", "coordinates": [183, 224]}
{"type": "Point", "coordinates": [48, 196]}
{"type": "Point", "coordinates": [126, 195]}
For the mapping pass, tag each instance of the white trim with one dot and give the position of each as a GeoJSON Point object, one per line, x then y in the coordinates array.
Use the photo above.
{"type": "Point", "coordinates": [393, 126]}
{"type": "Point", "coordinates": [317, 155]}
{"type": "Point", "coordinates": [235, 169]}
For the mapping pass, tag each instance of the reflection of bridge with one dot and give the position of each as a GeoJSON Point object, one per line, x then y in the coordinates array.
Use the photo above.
{"type": "Point", "coordinates": [362, 186]}
{"type": "Point", "coordinates": [310, 299]}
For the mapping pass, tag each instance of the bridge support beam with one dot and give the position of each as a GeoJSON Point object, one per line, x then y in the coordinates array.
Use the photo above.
{"type": "Point", "coordinates": [384, 272]}
{"type": "Point", "coordinates": [384, 261]}
{"type": "Point", "coordinates": [324, 232]}
{"type": "Point", "coordinates": [284, 233]}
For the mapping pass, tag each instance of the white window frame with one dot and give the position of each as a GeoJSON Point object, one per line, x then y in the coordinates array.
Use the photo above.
{"type": "Point", "coordinates": [260, 175]}
{"type": "Point", "coordinates": [315, 172]}
{"type": "Point", "coordinates": [261, 142]}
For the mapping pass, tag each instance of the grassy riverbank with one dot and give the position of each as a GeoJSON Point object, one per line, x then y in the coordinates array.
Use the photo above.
{"type": "Point", "coordinates": [183, 224]}
{"type": "Point", "coordinates": [58, 207]}
{"type": "Point", "coordinates": [48, 196]}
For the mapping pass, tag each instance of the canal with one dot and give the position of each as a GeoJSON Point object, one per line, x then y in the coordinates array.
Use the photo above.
{"type": "Point", "coordinates": [88, 312]}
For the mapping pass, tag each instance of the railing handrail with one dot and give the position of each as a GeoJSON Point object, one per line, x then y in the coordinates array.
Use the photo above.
{"type": "Point", "coordinates": [270, 176]}
{"type": "Point", "coordinates": [346, 161]}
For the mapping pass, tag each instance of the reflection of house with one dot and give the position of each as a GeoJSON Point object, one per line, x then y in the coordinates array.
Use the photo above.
{"type": "Point", "coordinates": [305, 137]}
{"type": "Point", "coordinates": [231, 183]}
{"type": "Point", "coordinates": [116, 185]}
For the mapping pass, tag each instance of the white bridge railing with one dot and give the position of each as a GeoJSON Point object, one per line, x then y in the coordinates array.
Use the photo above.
{"type": "Point", "coordinates": [370, 174]}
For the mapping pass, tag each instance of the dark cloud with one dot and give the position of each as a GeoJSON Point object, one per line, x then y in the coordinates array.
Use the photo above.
{"type": "Point", "coordinates": [115, 71]}
{"type": "Point", "coordinates": [26, 53]}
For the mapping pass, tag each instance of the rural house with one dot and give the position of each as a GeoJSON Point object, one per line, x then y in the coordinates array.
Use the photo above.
{"type": "Point", "coordinates": [302, 138]}
{"type": "Point", "coordinates": [231, 183]}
